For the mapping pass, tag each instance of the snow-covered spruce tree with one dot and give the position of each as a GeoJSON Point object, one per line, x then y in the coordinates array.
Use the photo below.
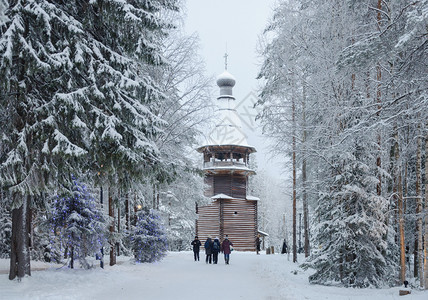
{"type": "Point", "coordinates": [149, 241]}
{"type": "Point", "coordinates": [3, 4]}
{"type": "Point", "coordinates": [5, 227]}
{"type": "Point", "coordinates": [75, 94]}
{"type": "Point", "coordinates": [33, 61]}
{"type": "Point", "coordinates": [44, 247]}
{"type": "Point", "coordinates": [78, 221]}
{"type": "Point", "coordinates": [177, 208]}
{"type": "Point", "coordinates": [340, 116]}
{"type": "Point", "coordinates": [178, 186]}
{"type": "Point", "coordinates": [126, 93]}
{"type": "Point", "coordinates": [399, 50]}
{"type": "Point", "coordinates": [352, 232]}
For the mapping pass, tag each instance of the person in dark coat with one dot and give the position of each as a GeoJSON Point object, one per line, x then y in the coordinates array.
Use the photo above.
{"type": "Point", "coordinates": [284, 248]}
{"type": "Point", "coordinates": [196, 247]}
{"type": "Point", "coordinates": [226, 249]}
{"type": "Point", "coordinates": [208, 249]}
{"type": "Point", "coordinates": [258, 242]}
{"type": "Point", "coordinates": [216, 250]}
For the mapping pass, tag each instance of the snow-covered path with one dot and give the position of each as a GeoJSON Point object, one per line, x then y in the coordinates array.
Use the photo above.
{"type": "Point", "coordinates": [178, 277]}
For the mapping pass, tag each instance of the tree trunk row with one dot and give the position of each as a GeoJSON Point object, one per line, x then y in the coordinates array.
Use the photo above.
{"type": "Point", "coordinates": [426, 213]}
{"type": "Point", "coordinates": [20, 241]}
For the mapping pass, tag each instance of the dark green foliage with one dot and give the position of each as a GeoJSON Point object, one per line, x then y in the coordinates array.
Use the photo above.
{"type": "Point", "coordinates": [76, 94]}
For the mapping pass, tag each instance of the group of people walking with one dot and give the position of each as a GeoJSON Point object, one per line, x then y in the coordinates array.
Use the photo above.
{"type": "Point", "coordinates": [212, 248]}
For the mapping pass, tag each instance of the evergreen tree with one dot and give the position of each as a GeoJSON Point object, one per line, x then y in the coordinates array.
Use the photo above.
{"type": "Point", "coordinates": [80, 224]}
{"type": "Point", "coordinates": [5, 229]}
{"type": "Point", "coordinates": [177, 208]}
{"type": "Point", "coordinates": [75, 95]}
{"type": "Point", "coordinates": [177, 185]}
{"type": "Point", "coordinates": [362, 89]}
{"type": "Point", "coordinates": [32, 63]}
{"type": "Point", "coordinates": [3, 4]}
{"type": "Point", "coordinates": [352, 234]}
{"type": "Point", "coordinates": [44, 247]}
{"type": "Point", "coordinates": [149, 241]}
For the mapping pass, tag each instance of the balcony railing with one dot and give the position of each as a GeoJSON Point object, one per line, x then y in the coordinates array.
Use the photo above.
{"type": "Point", "coordinates": [224, 163]}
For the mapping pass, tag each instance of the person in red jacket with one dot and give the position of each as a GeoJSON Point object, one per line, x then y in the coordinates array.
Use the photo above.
{"type": "Point", "coordinates": [226, 249]}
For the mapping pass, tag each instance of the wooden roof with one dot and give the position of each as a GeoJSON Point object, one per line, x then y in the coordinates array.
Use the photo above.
{"type": "Point", "coordinates": [225, 148]}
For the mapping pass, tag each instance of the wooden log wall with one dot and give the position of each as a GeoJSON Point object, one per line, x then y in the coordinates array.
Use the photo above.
{"type": "Point", "coordinates": [223, 184]}
{"type": "Point", "coordinates": [208, 222]}
{"type": "Point", "coordinates": [237, 218]}
{"type": "Point", "coordinates": [209, 182]}
{"type": "Point", "coordinates": [240, 223]}
{"type": "Point", "coordinates": [233, 185]}
{"type": "Point", "coordinates": [239, 186]}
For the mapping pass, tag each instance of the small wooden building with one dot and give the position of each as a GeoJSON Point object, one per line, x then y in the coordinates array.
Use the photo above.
{"type": "Point", "coordinates": [226, 167]}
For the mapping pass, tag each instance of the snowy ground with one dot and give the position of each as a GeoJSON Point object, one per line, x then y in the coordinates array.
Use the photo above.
{"type": "Point", "coordinates": [178, 277]}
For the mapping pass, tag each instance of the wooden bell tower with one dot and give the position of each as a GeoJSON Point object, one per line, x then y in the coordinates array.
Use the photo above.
{"type": "Point", "coordinates": [226, 167]}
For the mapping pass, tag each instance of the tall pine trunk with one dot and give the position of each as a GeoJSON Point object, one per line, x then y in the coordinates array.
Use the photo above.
{"type": "Point", "coordinates": [399, 197]}
{"type": "Point", "coordinates": [20, 243]}
{"type": "Point", "coordinates": [426, 213]}
{"type": "Point", "coordinates": [127, 215]}
{"type": "Point", "coordinates": [112, 228]}
{"type": "Point", "coordinates": [154, 196]}
{"type": "Point", "coordinates": [419, 259]}
{"type": "Point", "coordinates": [379, 106]}
{"type": "Point", "coordinates": [134, 219]}
{"type": "Point", "coordinates": [72, 256]}
{"type": "Point", "coordinates": [304, 191]}
{"type": "Point", "coordinates": [118, 229]}
{"type": "Point", "coordinates": [293, 112]}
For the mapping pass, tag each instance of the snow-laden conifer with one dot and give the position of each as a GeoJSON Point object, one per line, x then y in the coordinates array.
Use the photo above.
{"type": "Point", "coordinates": [176, 184]}
{"type": "Point", "coordinates": [358, 109]}
{"type": "Point", "coordinates": [3, 4]}
{"type": "Point", "coordinates": [77, 94]}
{"type": "Point", "coordinates": [352, 238]}
{"type": "Point", "coordinates": [149, 241]}
{"type": "Point", "coordinates": [78, 225]}
{"type": "Point", "coordinates": [5, 228]}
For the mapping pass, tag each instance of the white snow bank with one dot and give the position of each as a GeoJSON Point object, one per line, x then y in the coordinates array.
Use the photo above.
{"type": "Point", "coordinates": [249, 276]}
{"type": "Point", "coordinates": [291, 282]}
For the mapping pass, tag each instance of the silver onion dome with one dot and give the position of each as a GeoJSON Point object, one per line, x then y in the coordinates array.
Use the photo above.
{"type": "Point", "coordinates": [226, 82]}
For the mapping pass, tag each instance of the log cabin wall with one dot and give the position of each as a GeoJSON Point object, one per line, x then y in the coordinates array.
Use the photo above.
{"type": "Point", "coordinates": [233, 185]}
{"type": "Point", "coordinates": [209, 183]}
{"type": "Point", "coordinates": [235, 217]}
{"type": "Point", "coordinates": [208, 222]}
{"type": "Point", "coordinates": [239, 186]}
{"type": "Point", "coordinates": [240, 223]}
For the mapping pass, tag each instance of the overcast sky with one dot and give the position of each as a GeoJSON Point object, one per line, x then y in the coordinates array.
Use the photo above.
{"type": "Point", "coordinates": [235, 24]}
